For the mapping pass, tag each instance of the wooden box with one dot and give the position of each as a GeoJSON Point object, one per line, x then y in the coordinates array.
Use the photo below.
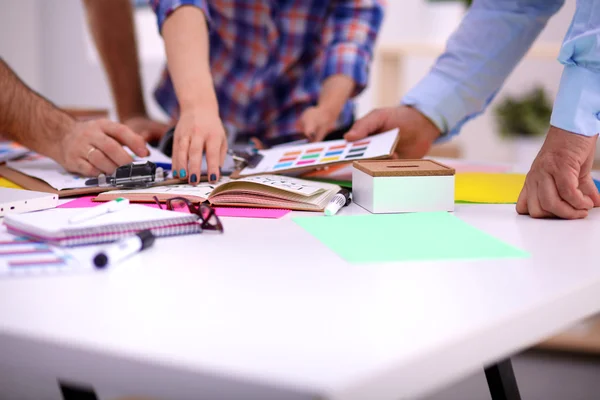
{"type": "Point", "coordinates": [396, 186]}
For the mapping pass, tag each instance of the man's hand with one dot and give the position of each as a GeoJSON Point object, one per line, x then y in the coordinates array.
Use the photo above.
{"type": "Point", "coordinates": [91, 147]}
{"type": "Point", "coordinates": [196, 133]}
{"type": "Point", "coordinates": [417, 132]}
{"type": "Point", "coordinates": [150, 130]}
{"type": "Point", "coordinates": [559, 183]}
{"type": "Point", "coordinates": [316, 122]}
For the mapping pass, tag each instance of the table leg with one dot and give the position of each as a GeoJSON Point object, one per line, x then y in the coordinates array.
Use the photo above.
{"type": "Point", "coordinates": [502, 382]}
{"type": "Point", "coordinates": [76, 392]}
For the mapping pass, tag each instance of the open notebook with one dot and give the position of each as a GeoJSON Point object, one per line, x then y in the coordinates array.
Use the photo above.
{"type": "Point", "coordinates": [53, 226]}
{"type": "Point", "coordinates": [260, 191]}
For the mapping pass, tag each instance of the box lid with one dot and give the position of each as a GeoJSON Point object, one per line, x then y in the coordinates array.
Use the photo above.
{"type": "Point", "coordinates": [403, 168]}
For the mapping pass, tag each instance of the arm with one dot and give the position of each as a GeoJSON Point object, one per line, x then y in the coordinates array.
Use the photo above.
{"type": "Point", "coordinates": [490, 41]}
{"type": "Point", "coordinates": [28, 118]}
{"type": "Point", "coordinates": [199, 129]}
{"type": "Point", "coordinates": [112, 26]}
{"type": "Point", "coordinates": [559, 183]}
{"type": "Point", "coordinates": [356, 24]}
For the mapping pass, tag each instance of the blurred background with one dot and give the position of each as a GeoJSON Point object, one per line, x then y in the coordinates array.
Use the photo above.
{"type": "Point", "coordinates": [47, 42]}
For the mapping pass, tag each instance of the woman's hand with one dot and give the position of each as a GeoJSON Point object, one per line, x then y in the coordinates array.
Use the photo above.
{"type": "Point", "coordinates": [197, 133]}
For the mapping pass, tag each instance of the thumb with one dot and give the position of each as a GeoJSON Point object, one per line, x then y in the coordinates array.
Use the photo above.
{"type": "Point", "coordinates": [370, 124]}
{"type": "Point", "coordinates": [588, 188]}
{"type": "Point", "coordinates": [522, 201]}
{"type": "Point", "coordinates": [309, 127]}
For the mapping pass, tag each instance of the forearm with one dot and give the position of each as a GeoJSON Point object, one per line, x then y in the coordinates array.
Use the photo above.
{"type": "Point", "coordinates": [576, 108]}
{"type": "Point", "coordinates": [112, 27]}
{"type": "Point", "coordinates": [491, 40]}
{"type": "Point", "coordinates": [335, 92]}
{"type": "Point", "coordinates": [28, 118]}
{"type": "Point", "coordinates": [187, 46]}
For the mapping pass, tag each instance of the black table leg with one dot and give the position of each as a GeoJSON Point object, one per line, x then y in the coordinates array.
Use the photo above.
{"type": "Point", "coordinates": [76, 392]}
{"type": "Point", "coordinates": [502, 382]}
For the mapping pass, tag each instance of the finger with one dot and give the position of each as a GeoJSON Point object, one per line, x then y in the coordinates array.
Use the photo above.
{"type": "Point", "coordinates": [125, 136]}
{"type": "Point", "coordinates": [321, 133]}
{"type": "Point", "coordinates": [195, 159]}
{"type": "Point", "coordinates": [84, 168]}
{"type": "Point", "coordinates": [552, 203]}
{"type": "Point", "coordinates": [224, 147]}
{"type": "Point", "coordinates": [588, 187]}
{"type": "Point", "coordinates": [111, 148]}
{"type": "Point", "coordinates": [373, 122]}
{"type": "Point", "coordinates": [100, 161]}
{"type": "Point", "coordinates": [309, 127]}
{"type": "Point", "coordinates": [213, 157]}
{"type": "Point", "coordinates": [522, 201]}
{"type": "Point", "coordinates": [181, 146]}
{"type": "Point", "coordinates": [568, 189]}
{"type": "Point", "coordinates": [533, 202]}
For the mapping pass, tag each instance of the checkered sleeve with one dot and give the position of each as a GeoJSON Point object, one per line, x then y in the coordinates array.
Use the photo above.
{"type": "Point", "coordinates": [356, 24]}
{"type": "Point", "coordinates": [164, 8]}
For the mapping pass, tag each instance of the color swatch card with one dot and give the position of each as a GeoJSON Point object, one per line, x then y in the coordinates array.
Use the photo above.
{"type": "Point", "coordinates": [22, 256]}
{"type": "Point", "coordinates": [290, 158]}
{"type": "Point", "coordinates": [426, 236]}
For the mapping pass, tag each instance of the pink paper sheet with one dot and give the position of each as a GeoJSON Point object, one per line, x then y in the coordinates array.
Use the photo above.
{"type": "Point", "coordinates": [85, 202]}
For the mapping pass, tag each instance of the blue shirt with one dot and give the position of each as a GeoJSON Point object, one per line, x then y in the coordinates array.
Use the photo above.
{"type": "Point", "coordinates": [491, 40]}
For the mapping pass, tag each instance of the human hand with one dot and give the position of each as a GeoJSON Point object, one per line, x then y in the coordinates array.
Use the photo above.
{"type": "Point", "coordinates": [199, 132]}
{"type": "Point", "coordinates": [559, 183]}
{"type": "Point", "coordinates": [417, 132]}
{"type": "Point", "coordinates": [91, 147]}
{"type": "Point", "coordinates": [150, 130]}
{"type": "Point", "coordinates": [316, 122]}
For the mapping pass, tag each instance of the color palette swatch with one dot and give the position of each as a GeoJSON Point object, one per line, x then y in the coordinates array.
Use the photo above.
{"type": "Point", "coordinates": [321, 154]}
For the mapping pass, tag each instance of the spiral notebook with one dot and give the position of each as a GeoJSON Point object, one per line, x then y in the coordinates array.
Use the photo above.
{"type": "Point", "coordinates": [52, 226]}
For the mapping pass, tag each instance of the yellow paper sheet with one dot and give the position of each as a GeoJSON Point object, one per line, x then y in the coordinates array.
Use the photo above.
{"type": "Point", "coordinates": [8, 184]}
{"type": "Point", "coordinates": [478, 187]}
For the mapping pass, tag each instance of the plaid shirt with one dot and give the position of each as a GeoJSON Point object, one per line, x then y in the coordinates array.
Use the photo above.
{"type": "Point", "coordinates": [269, 58]}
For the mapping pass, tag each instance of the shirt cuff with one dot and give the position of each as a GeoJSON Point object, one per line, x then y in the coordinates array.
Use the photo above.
{"type": "Point", "coordinates": [166, 8]}
{"type": "Point", "coordinates": [350, 60]}
{"type": "Point", "coordinates": [577, 105]}
{"type": "Point", "coordinates": [435, 97]}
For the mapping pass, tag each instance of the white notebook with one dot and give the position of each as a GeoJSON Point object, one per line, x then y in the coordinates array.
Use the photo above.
{"type": "Point", "coordinates": [53, 226]}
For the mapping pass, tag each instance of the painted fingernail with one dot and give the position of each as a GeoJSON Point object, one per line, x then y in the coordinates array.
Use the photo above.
{"type": "Point", "coordinates": [182, 173]}
{"type": "Point", "coordinates": [213, 177]}
{"type": "Point", "coordinates": [194, 178]}
{"type": "Point", "coordinates": [174, 173]}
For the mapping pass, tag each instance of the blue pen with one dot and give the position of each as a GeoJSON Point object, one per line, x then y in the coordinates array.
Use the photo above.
{"type": "Point", "coordinates": [165, 166]}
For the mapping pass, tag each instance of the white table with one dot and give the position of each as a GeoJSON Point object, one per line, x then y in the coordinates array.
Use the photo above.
{"type": "Point", "coordinates": [266, 311]}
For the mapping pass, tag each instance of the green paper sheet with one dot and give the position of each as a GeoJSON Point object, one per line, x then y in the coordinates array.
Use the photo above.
{"type": "Point", "coordinates": [405, 237]}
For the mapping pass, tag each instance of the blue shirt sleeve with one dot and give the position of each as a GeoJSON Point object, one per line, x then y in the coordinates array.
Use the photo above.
{"type": "Point", "coordinates": [164, 8]}
{"type": "Point", "coordinates": [490, 41]}
{"type": "Point", "coordinates": [577, 105]}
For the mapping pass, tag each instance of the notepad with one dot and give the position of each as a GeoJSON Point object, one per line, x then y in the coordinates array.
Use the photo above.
{"type": "Point", "coordinates": [52, 226]}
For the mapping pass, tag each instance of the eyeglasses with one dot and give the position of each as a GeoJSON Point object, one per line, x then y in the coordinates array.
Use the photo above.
{"type": "Point", "coordinates": [207, 214]}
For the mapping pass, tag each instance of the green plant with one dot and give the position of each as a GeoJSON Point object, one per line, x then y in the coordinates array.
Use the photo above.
{"type": "Point", "coordinates": [526, 116]}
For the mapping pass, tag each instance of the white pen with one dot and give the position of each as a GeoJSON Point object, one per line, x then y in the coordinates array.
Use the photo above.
{"type": "Point", "coordinates": [341, 199]}
{"type": "Point", "coordinates": [123, 248]}
{"type": "Point", "coordinates": [108, 207]}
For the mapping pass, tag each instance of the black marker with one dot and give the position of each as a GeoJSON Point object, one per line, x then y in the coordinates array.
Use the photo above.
{"type": "Point", "coordinates": [123, 249]}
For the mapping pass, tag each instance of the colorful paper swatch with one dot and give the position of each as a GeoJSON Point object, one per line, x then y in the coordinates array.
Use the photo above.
{"type": "Point", "coordinates": [373, 238]}
{"type": "Point", "coordinates": [321, 153]}
{"type": "Point", "coordinates": [493, 188]}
